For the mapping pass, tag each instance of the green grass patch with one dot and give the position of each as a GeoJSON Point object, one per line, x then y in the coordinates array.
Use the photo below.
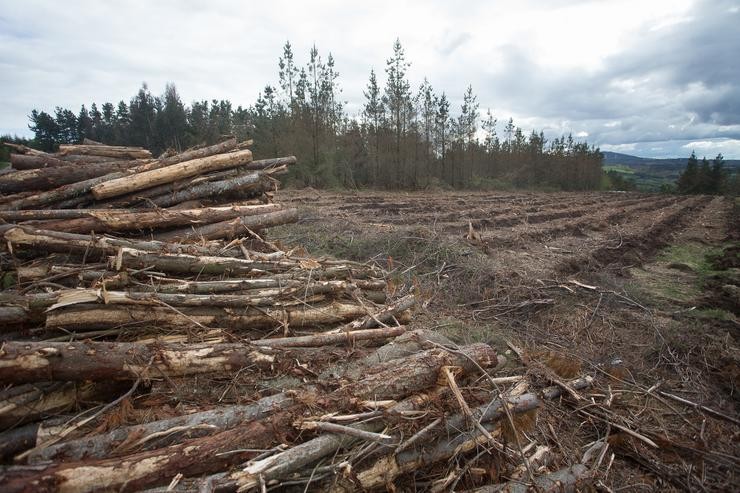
{"type": "Point", "coordinates": [712, 313]}
{"type": "Point", "coordinates": [695, 256]}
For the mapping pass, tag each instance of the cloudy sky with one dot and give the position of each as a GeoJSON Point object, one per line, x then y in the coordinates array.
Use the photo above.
{"type": "Point", "coordinates": [646, 77]}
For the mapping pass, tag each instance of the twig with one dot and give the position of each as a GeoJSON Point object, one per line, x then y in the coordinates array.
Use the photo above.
{"type": "Point", "coordinates": [706, 409]}
{"type": "Point", "coordinates": [346, 430]}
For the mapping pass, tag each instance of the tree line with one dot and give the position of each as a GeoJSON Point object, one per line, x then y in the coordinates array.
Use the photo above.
{"type": "Point", "coordinates": [403, 137]}
{"type": "Point", "coordinates": [706, 178]}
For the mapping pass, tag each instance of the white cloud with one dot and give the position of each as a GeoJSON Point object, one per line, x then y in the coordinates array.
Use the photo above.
{"type": "Point", "coordinates": [611, 71]}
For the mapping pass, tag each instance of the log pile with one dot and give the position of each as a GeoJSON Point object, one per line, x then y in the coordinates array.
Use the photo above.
{"type": "Point", "coordinates": [154, 339]}
{"type": "Point", "coordinates": [208, 193]}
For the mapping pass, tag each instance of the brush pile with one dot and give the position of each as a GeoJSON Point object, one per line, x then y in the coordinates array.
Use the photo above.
{"type": "Point", "coordinates": [187, 352]}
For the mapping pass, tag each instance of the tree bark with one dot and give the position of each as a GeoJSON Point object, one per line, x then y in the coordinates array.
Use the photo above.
{"type": "Point", "coordinates": [93, 317]}
{"type": "Point", "coordinates": [25, 403]}
{"type": "Point", "coordinates": [419, 370]}
{"type": "Point", "coordinates": [44, 179]}
{"type": "Point", "coordinates": [170, 173]}
{"type": "Point", "coordinates": [254, 183]}
{"type": "Point", "coordinates": [187, 426]}
{"type": "Point", "coordinates": [119, 152]}
{"type": "Point", "coordinates": [231, 228]}
{"type": "Point", "coordinates": [185, 184]}
{"type": "Point", "coordinates": [320, 340]}
{"type": "Point", "coordinates": [220, 148]}
{"type": "Point", "coordinates": [136, 472]}
{"type": "Point", "coordinates": [27, 161]}
{"type": "Point", "coordinates": [264, 164]}
{"type": "Point", "coordinates": [25, 362]}
{"type": "Point", "coordinates": [382, 316]}
{"type": "Point", "coordinates": [57, 241]}
{"type": "Point", "coordinates": [106, 221]}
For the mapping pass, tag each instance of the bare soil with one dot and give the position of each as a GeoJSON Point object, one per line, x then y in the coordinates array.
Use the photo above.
{"type": "Point", "coordinates": [585, 283]}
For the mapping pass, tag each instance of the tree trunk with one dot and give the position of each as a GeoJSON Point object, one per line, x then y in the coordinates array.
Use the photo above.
{"type": "Point", "coordinates": [105, 221]}
{"type": "Point", "coordinates": [320, 340]}
{"type": "Point", "coordinates": [25, 362]}
{"type": "Point", "coordinates": [264, 164]}
{"type": "Point", "coordinates": [57, 241]}
{"type": "Point", "coordinates": [231, 228]}
{"type": "Point", "coordinates": [150, 468]}
{"type": "Point", "coordinates": [94, 317]}
{"type": "Point", "coordinates": [220, 148]}
{"type": "Point", "coordinates": [187, 426]}
{"type": "Point", "coordinates": [186, 184]}
{"type": "Point", "coordinates": [27, 161]}
{"type": "Point", "coordinates": [119, 152]}
{"type": "Point", "coordinates": [170, 173]}
{"type": "Point", "coordinates": [419, 370]}
{"type": "Point", "coordinates": [44, 179]}
{"type": "Point", "coordinates": [254, 183]}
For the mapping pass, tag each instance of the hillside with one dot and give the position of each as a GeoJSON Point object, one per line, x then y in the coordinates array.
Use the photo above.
{"type": "Point", "coordinates": [651, 173]}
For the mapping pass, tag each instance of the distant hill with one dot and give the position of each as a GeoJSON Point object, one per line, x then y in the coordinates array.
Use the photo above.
{"type": "Point", "coordinates": [651, 173]}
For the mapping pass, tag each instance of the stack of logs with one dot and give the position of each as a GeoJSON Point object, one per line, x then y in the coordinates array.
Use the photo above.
{"type": "Point", "coordinates": [193, 354]}
{"type": "Point", "coordinates": [207, 193]}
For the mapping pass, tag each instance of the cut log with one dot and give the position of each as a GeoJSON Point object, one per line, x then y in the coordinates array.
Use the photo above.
{"type": "Point", "coordinates": [94, 317]}
{"type": "Point", "coordinates": [251, 183]}
{"type": "Point", "coordinates": [104, 221]}
{"type": "Point", "coordinates": [45, 179]}
{"type": "Point", "coordinates": [59, 195]}
{"type": "Point", "coordinates": [170, 188]}
{"type": "Point", "coordinates": [419, 370]}
{"type": "Point", "coordinates": [25, 403]}
{"type": "Point", "coordinates": [285, 463]}
{"type": "Point", "coordinates": [171, 173]}
{"type": "Point", "coordinates": [220, 148]}
{"type": "Point", "coordinates": [57, 241]}
{"type": "Point", "coordinates": [320, 340]}
{"type": "Point", "coordinates": [150, 468]}
{"type": "Point", "coordinates": [232, 228]}
{"type": "Point", "coordinates": [448, 443]}
{"type": "Point", "coordinates": [119, 152]}
{"type": "Point", "coordinates": [21, 149]}
{"type": "Point", "coordinates": [28, 161]}
{"type": "Point", "coordinates": [25, 362]}
{"type": "Point", "coordinates": [264, 164]}
{"type": "Point", "coordinates": [166, 431]}
{"type": "Point", "coordinates": [382, 316]}
{"type": "Point", "coordinates": [90, 142]}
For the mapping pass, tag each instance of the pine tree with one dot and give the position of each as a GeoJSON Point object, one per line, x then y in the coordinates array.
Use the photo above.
{"type": "Point", "coordinates": [374, 115]}
{"type": "Point", "coordinates": [397, 100]}
{"type": "Point", "coordinates": [84, 124]}
{"type": "Point", "coordinates": [442, 122]}
{"type": "Point", "coordinates": [45, 129]}
{"type": "Point", "coordinates": [704, 182]}
{"type": "Point", "coordinates": [687, 182]}
{"type": "Point", "coordinates": [288, 74]}
{"type": "Point", "coordinates": [718, 177]}
{"type": "Point", "coordinates": [171, 121]}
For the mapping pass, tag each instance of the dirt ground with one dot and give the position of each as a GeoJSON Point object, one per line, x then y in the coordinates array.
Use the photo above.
{"type": "Point", "coordinates": [639, 291]}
